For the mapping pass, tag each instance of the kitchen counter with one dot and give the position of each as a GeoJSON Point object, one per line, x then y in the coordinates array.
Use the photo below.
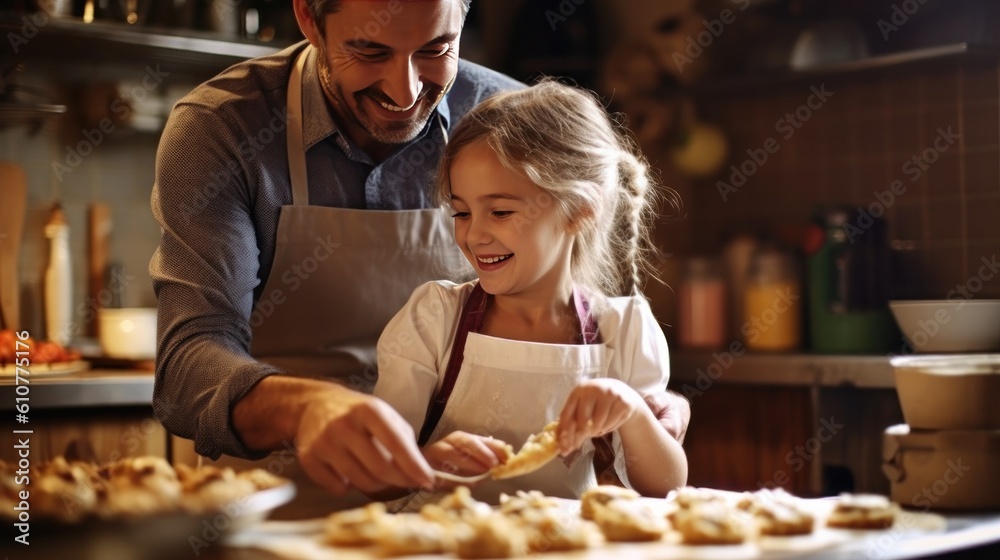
{"type": "Point", "coordinates": [91, 388]}
{"type": "Point", "coordinates": [966, 536]}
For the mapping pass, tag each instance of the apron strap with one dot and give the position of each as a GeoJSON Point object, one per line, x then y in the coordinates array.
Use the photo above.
{"type": "Point", "coordinates": [293, 139]}
{"type": "Point", "coordinates": [473, 314]}
{"type": "Point", "coordinates": [589, 333]}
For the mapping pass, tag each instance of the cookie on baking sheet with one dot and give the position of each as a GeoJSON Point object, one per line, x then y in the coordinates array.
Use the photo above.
{"type": "Point", "coordinates": [687, 496]}
{"type": "Point", "coordinates": [862, 511]}
{"type": "Point", "coordinates": [712, 522]}
{"type": "Point", "coordinates": [538, 450]}
{"type": "Point", "coordinates": [629, 521]}
{"type": "Point", "coordinates": [455, 507]}
{"type": "Point", "coordinates": [262, 479]}
{"type": "Point", "coordinates": [551, 530]}
{"type": "Point", "coordinates": [403, 534]}
{"type": "Point", "coordinates": [492, 536]}
{"type": "Point", "coordinates": [208, 488]}
{"type": "Point", "coordinates": [777, 513]}
{"type": "Point", "coordinates": [140, 486]}
{"type": "Point", "coordinates": [522, 502]}
{"type": "Point", "coordinates": [68, 491]}
{"type": "Point", "coordinates": [600, 495]}
{"type": "Point", "coordinates": [355, 527]}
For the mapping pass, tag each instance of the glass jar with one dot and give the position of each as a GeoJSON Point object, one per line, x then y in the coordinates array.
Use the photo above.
{"type": "Point", "coordinates": [701, 302]}
{"type": "Point", "coordinates": [773, 303]}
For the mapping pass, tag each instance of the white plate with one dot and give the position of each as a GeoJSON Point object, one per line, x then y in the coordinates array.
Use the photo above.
{"type": "Point", "coordinates": [38, 370]}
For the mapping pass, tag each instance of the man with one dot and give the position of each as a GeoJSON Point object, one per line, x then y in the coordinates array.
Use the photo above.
{"type": "Point", "coordinates": [278, 256]}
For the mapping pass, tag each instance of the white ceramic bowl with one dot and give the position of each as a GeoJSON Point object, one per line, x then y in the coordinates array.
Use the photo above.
{"type": "Point", "coordinates": [949, 392]}
{"type": "Point", "coordinates": [961, 325]}
{"type": "Point", "coordinates": [128, 333]}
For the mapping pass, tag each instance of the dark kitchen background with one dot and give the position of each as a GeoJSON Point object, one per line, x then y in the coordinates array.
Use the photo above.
{"type": "Point", "coordinates": [757, 113]}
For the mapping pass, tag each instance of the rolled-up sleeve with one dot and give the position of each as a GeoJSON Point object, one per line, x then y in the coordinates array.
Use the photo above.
{"type": "Point", "coordinates": [204, 274]}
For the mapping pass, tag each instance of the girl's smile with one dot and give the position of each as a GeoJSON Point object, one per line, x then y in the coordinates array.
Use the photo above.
{"type": "Point", "coordinates": [508, 229]}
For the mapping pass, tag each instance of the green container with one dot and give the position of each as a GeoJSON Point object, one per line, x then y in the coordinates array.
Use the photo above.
{"type": "Point", "coordinates": [848, 278]}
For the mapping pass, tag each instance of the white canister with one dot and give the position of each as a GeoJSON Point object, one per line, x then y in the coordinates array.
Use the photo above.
{"type": "Point", "coordinates": [128, 333]}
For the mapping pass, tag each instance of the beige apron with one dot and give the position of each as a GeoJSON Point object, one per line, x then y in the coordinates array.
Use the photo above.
{"type": "Point", "coordinates": [355, 270]}
{"type": "Point", "coordinates": [510, 389]}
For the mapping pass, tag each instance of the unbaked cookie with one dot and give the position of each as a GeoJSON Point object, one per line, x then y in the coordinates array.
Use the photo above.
{"type": "Point", "coordinates": [862, 511]}
{"type": "Point", "coordinates": [777, 513]}
{"type": "Point", "coordinates": [550, 529]}
{"type": "Point", "coordinates": [493, 536]}
{"type": "Point", "coordinates": [712, 522]}
{"type": "Point", "coordinates": [404, 534]}
{"type": "Point", "coordinates": [355, 527]}
{"type": "Point", "coordinates": [600, 495]}
{"type": "Point", "coordinates": [523, 501]}
{"type": "Point", "coordinates": [629, 521]}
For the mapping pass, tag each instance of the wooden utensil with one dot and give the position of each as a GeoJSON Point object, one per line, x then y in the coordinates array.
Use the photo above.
{"type": "Point", "coordinates": [13, 202]}
{"type": "Point", "coordinates": [98, 231]}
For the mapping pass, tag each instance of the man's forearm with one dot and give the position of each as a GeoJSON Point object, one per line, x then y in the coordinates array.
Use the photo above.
{"type": "Point", "coordinates": [269, 415]}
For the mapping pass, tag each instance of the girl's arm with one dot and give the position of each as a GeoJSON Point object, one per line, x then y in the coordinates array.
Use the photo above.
{"type": "Point", "coordinates": [655, 462]}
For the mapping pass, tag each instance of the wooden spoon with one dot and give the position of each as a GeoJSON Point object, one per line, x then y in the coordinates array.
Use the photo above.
{"type": "Point", "coordinates": [13, 193]}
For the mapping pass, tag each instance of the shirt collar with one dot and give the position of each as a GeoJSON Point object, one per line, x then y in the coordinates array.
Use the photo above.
{"type": "Point", "coordinates": [320, 123]}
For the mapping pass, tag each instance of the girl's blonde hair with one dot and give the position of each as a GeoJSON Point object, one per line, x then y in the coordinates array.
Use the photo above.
{"type": "Point", "coordinates": [563, 140]}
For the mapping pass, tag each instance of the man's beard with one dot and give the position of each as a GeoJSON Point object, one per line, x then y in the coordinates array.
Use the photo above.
{"type": "Point", "coordinates": [389, 132]}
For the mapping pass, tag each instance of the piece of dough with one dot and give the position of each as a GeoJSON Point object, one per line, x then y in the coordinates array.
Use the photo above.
{"type": "Point", "coordinates": [538, 450]}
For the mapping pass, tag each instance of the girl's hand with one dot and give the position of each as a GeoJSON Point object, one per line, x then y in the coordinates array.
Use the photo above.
{"type": "Point", "coordinates": [594, 408]}
{"type": "Point", "coordinates": [464, 454]}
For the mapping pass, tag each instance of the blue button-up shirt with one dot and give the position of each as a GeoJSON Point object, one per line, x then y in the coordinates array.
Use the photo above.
{"type": "Point", "coordinates": [221, 180]}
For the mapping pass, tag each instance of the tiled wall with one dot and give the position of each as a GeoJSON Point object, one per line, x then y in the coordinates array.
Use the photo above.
{"type": "Point", "coordinates": [943, 227]}
{"type": "Point", "coordinates": [118, 172]}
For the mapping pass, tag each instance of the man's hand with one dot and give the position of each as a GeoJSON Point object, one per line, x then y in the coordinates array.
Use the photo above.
{"type": "Point", "coordinates": [347, 439]}
{"type": "Point", "coordinates": [672, 411]}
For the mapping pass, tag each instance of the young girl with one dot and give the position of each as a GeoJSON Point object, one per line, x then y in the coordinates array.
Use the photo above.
{"type": "Point", "coordinates": [551, 207]}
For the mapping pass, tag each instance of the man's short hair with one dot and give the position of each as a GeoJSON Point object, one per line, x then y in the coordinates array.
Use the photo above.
{"type": "Point", "coordinates": [319, 8]}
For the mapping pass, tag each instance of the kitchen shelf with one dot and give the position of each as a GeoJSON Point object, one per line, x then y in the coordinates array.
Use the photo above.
{"type": "Point", "coordinates": [696, 368]}
{"type": "Point", "coordinates": [93, 388]}
{"type": "Point", "coordinates": [871, 63]}
{"type": "Point", "coordinates": [79, 49]}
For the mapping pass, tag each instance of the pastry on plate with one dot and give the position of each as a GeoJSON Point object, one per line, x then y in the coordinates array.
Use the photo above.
{"type": "Point", "coordinates": [209, 488]}
{"type": "Point", "coordinates": [140, 486]}
{"type": "Point", "coordinates": [862, 511]}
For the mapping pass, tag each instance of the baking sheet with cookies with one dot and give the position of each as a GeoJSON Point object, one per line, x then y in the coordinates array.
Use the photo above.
{"type": "Point", "coordinates": [305, 540]}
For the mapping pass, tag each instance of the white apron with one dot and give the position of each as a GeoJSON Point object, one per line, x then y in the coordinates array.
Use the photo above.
{"type": "Point", "coordinates": [510, 389]}
{"type": "Point", "coordinates": [362, 266]}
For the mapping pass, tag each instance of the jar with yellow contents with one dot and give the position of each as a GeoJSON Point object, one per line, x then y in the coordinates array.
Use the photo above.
{"type": "Point", "coordinates": [773, 303]}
